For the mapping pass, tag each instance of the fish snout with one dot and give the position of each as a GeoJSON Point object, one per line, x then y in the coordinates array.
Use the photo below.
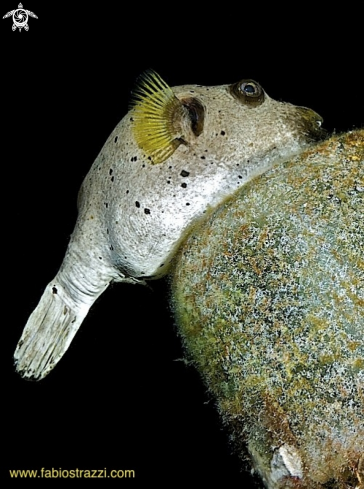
{"type": "Point", "coordinates": [310, 125]}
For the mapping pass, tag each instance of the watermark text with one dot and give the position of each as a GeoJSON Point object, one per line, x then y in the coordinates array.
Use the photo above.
{"type": "Point", "coordinates": [60, 473]}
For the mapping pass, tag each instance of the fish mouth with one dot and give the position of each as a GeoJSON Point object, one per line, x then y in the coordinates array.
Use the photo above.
{"type": "Point", "coordinates": [311, 125]}
{"type": "Point", "coordinates": [319, 133]}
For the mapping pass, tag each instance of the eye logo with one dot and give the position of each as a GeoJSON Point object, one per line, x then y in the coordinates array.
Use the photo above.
{"type": "Point", "coordinates": [20, 17]}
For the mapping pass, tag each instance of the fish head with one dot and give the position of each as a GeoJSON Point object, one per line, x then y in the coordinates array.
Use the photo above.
{"type": "Point", "coordinates": [240, 122]}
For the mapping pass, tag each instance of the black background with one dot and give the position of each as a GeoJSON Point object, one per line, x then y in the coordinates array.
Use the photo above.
{"type": "Point", "coordinates": [119, 399]}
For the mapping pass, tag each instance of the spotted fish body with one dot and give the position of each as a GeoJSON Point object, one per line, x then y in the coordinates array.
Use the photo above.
{"type": "Point", "coordinates": [176, 155]}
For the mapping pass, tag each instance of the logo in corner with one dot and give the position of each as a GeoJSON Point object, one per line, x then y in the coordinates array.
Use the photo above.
{"type": "Point", "coordinates": [20, 17]}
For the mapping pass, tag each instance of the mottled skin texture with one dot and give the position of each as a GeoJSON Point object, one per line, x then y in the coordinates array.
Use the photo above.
{"type": "Point", "coordinates": [146, 208]}
{"type": "Point", "coordinates": [269, 300]}
{"type": "Point", "coordinates": [134, 214]}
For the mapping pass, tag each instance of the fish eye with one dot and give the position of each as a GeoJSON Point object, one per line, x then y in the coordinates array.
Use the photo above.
{"type": "Point", "coordinates": [249, 88]}
{"type": "Point", "coordinates": [248, 92]}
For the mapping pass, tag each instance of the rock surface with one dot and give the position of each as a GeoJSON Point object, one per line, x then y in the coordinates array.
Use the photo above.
{"type": "Point", "coordinates": [269, 301]}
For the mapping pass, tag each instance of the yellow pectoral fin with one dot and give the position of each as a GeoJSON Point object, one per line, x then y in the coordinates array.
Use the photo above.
{"type": "Point", "coordinates": [157, 117]}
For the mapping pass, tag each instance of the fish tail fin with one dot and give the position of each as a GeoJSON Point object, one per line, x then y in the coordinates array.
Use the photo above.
{"type": "Point", "coordinates": [48, 332]}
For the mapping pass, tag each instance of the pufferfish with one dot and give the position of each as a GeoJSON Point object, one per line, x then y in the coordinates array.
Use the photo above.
{"type": "Point", "coordinates": [177, 154]}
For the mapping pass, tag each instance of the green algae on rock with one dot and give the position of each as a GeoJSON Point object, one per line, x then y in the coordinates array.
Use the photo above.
{"type": "Point", "coordinates": [269, 301]}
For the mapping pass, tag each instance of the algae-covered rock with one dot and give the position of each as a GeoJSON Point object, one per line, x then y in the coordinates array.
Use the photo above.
{"type": "Point", "coordinates": [269, 301]}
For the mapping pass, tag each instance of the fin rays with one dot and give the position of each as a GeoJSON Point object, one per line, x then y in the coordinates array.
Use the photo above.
{"type": "Point", "coordinates": [47, 334]}
{"type": "Point", "coordinates": [157, 115]}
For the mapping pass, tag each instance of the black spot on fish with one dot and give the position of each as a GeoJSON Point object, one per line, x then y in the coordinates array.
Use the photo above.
{"type": "Point", "coordinates": [106, 204]}
{"type": "Point", "coordinates": [203, 157]}
{"type": "Point", "coordinates": [222, 133]}
{"type": "Point", "coordinates": [184, 173]}
{"type": "Point", "coordinates": [146, 211]}
{"type": "Point", "coordinates": [112, 179]}
{"type": "Point", "coordinates": [110, 171]}
{"type": "Point", "coordinates": [137, 204]}
{"type": "Point", "coordinates": [184, 185]}
{"type": "Point", "coordinates": [116, 138]}
{"type": "Point", "coordinates": [54, 290]}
